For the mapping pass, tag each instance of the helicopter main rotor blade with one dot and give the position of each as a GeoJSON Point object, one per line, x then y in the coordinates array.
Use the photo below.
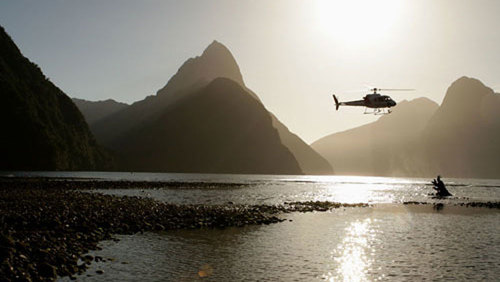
{"type": "Point", "coordinates": [394, 89]}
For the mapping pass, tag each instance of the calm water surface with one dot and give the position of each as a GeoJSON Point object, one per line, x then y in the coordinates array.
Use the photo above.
{"type": "Point", "coordinates": [267, 189]}
{"type": "Point", "coordinates": [386, 241]}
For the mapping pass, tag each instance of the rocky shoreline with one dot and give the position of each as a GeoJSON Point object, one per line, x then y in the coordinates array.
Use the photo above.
{"type": "Point", "coordinates": [48, 226]}
{"type": "Point", "coordinates": [489, 205]}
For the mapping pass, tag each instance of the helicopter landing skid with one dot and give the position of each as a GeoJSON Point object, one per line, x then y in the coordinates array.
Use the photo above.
{"type": "Point", "coordinates": [378, 111]}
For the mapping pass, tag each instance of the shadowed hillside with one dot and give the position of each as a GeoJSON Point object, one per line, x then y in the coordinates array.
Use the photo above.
{"type": "Point", "coordinates": [463, 137]}
{"type": "Point", "coordinates": [387, 147]}
{"type": "Point", "coordinates": [94, 111]}
{"type": "Point", "coordinates": [193, 76]}
{"type": "Point", "coordinates": [193, 135]}
{"type": "Point", "coordinates": [41, 127]}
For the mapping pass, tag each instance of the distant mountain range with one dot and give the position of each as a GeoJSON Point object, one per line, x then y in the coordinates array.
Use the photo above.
{"type": "Point", "coordinates": [41, 127]}
{"type": "Point", "coordinates": [460, 138]}
{"type": "Point", "coordinates": [388, 146]}
{"type": "Point", "coordinates": [206, 120]}
{"type": "Point", "coordinates": [95, 111]}
{"type": "Point", "coordinates": [227, 130]}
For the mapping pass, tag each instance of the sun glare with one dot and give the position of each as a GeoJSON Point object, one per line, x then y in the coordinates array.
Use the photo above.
{"type": "Point", "coordinates": [357, 21]}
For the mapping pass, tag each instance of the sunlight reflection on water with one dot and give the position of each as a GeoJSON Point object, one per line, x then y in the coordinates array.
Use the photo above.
{"type": "Point", "coordinates": [262, 189]}
{"type": "Point", "coordinates": [353, 256]}
{"type": "Point", "coordinates": [396, 242]}
{"type": "Point", "coordinates": [357, 193]}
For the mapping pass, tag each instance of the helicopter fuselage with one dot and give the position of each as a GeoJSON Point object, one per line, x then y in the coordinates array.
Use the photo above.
{"type": "Point", "coordinates": [378, 101]}
{"type": "Point", "coordinates": [381, 104]}
{"type": "Point", "coordinates": [374, 101]}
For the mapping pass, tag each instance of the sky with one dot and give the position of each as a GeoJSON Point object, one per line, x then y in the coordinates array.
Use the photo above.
{"type": "Point", "coordinates": [293, 54]}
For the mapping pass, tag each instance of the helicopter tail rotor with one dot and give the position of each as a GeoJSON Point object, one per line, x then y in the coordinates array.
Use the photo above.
{"type": "Point", "coordinates": [337, 104]}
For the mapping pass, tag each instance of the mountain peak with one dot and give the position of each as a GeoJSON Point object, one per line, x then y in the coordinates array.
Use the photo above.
{"type": "Point", "coordinates": [465, 81]}
{"type": "Point", "coordinates": [215, 61]}
{"type": "Point", "coordinates": [215, 46]}
{"type": "Point", "coordinates": [465, 94]}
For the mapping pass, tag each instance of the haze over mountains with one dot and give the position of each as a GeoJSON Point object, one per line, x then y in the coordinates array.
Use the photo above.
{"type": "Point", "coordinates": [94, 111]}
{"type": "Point", "coordinates": [41, 127]}
{"type": "Point", "coordinates": [387, 146]}
{"type": "Point", "coordinates": [229, 132]}
{"type": "Point", "coordinates": [206, 120]}
{"type": "Point", "coordinates": [458, 139]}
{"type": "Point", "coordinates": [462, 139]}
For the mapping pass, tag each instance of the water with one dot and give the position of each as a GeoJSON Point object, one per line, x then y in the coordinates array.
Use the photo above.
{"type": "Point", "coordinates": [356, 244]}
{"type": "Point", "coordinates": [386, 241]}
{"type": "Point", "coordinates": [269, 189]}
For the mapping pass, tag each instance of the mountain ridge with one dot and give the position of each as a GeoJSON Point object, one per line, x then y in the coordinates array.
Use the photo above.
{"type": "Point", "coordinates": [192, 76]}
{"type": "Point", "coordinates": [459, 139]}
{"type": "Point", "coordinates": [385, 147]}
{"type": "Point", "coordinates": [237, 137]}
{"type": "Point", "coordinates": [93, 111]}
{"type": "Point", "coordinates": [43, 129]}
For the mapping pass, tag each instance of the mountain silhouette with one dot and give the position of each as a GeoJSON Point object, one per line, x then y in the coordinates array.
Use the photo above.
{"type": "Point", "coordinates": [457, 139]}
{"type": "Point", "coordinates": [95, 111]}
{"type": "Point", "coordinates": [216, 61]}
{"type": "Point", "coordinates": [389, 146]}
{"type": "Point", "coordinates": [42, 128]}
{"type": "Point", "coordinates": [462, 138]}
{"type": "Point", "coordinates": [310, 161]}
{"type": "Point", "coordinates": [217, 129]}
{"type": "Point", "coordinates": [192, 78]}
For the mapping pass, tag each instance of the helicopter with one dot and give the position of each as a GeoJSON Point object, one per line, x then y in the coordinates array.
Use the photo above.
{"type": "Point", "coordinates": [381, 104]}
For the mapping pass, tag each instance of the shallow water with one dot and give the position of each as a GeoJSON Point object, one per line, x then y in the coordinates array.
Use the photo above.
{"type": "Point", "coordinates": [344, 189]}
{"type": "Point", "coordinates": [387, 240]}
{"type": "Point", "coordinates": [354, 244]}
{"type": "Point", "coordinates": [272, 189]}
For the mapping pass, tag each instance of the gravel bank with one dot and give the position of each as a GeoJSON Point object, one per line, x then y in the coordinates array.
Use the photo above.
{"type": "Point", "coordinates": [48, 226]}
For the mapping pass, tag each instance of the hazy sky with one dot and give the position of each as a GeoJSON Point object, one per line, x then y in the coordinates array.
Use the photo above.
{"type": "Point", "coordinates": [293, 54]}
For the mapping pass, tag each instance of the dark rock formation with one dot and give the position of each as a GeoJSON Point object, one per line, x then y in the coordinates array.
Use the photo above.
{"type": "Point", "coordinates": [41, 127]}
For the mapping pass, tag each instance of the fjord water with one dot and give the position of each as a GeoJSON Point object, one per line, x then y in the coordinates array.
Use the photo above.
{"type": "Point", "coordinates": [387, 240]}
{"type": "Point", "coordinates": [272, 189]}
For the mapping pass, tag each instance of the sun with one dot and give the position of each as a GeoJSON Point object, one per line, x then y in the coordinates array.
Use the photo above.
{"type": "Point", "coordinates": [357, 21]}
